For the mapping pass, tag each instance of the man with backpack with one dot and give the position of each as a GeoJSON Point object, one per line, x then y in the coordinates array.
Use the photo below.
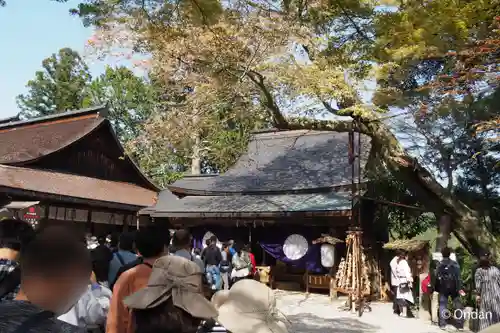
{"type": "Point", "coordinates": [122, 257]}
{"type": "Point", "coordinates": [449, 285]}
{"type": "Point", "coordinates": [182, 243]}
{"type": "Point", "coordinates": [14, 235]}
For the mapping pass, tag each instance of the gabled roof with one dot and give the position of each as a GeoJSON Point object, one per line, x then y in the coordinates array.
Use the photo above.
{"type": "Point", "coordinates": [74, 188]}
{"type": "Point", "coordinates": [24, 142]}
{"type": "Point", "coordinates": [283, 161]}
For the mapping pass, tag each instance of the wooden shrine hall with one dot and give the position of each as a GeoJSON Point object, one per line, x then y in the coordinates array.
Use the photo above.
{"type": "Point", "coordinates": [70, 168]}
{"type": "Point", "coordinates": [288, 185]}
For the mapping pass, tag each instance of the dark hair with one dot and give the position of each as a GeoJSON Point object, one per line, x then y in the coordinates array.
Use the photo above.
{"type": "Point", "coordinates": [247, 248]}
{"type": "Point", "coordinates": [182, 238]}
{"type": "Point", "coordinates": [151, 242]}
{"type": "Point", "coordinates": [445, 252]}
{"type": "Point", "coordinates": [15, 234]}
{"type": "Point", "coordinates": [53, 251]}
{"type": "Point", "coordinates": [207, 242]}
{"type": "Point", "coordinates": [213, 239]}
{"type": "Point", "coordinates": [484, 259]}
{"type": "Point", "coordinates": [101, 239]}
{"type": "Point", "coordinates": [237, 247]}
{"type": "Point", "coordinates": [165, 318]}
{"type": "Point", "coordinates": [127, 240]}
{"type": "Point", "coordinates": [114, 239]}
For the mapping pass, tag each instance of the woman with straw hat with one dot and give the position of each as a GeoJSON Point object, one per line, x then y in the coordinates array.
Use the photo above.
{"type": "Point", "coordinates": [173, 301]}
{"type": "Point", "coordinates": [249, 307]}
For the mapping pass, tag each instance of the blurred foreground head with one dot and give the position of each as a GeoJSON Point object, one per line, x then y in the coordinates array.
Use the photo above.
{"type": "Point", "coordinates": [182, 239]}
{"type": "Point", "coordinates": [55, 269]}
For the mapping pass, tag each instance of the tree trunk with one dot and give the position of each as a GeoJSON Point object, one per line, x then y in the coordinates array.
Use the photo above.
{"type": "Point", "coordinates": [466, 222]}
{"type": "Point", "coordinates": [444, 229]}
{"type": "Point", "coordinates": [196, 156]}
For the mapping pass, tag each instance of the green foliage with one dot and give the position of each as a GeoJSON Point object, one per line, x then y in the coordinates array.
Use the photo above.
{"type": "Point", "coordinates": [403, 223]}
{"type": "Point", "coordinates": [131, 100]}
{"type": "Point", "coordinates": [60, 86]}
{"type": "Point", "coordinates": [468, 265]}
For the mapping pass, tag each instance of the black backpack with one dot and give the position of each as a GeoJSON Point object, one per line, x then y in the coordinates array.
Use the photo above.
{"type": "Point", "coordinates": [447, 279]}
{"type": "Point", "coordinates": [10, 282]}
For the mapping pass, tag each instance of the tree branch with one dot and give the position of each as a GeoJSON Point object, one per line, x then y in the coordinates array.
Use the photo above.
{"type": "Point", "coordinates": [278, 118]}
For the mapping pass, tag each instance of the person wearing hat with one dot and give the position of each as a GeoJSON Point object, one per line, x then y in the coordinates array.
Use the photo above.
{"type": "Point", "coordinates": [487, 279]}
{"type": "Point", "coordinates": [249, 307]}
{"type": "Point", "coordinates": [173, 300]}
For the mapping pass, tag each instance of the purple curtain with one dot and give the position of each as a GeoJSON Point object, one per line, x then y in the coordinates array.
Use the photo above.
{"type": "Point", "coordinates": [272, 238]}
{"type": "Point", "coordinates": [310, 261]}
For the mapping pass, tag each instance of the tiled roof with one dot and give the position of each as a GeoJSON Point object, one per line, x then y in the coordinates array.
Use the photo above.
{"type": "Point", "coordinates": [72, 186]}
{"type": "Point", "coordinates": [23, 143]}
{"type": "Point", "coordinates": [27, 141]}
{"type": "Point", "coordinates": [252, 205]}
{"type": "Point", "coordinates": [164, 197]}
{"type": "Point", "coordinates": [283, 161]}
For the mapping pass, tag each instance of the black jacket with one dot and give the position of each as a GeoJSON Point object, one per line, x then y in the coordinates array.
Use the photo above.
{"type": "Point", "coordinates": [212, 255]}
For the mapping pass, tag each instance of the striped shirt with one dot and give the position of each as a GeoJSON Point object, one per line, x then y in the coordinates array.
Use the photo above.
{"type": "Point", "coordinates": [6, 267]}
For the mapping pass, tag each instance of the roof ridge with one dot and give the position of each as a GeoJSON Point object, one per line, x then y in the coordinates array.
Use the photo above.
{"type": "Point", "coordinates": [100, 110]}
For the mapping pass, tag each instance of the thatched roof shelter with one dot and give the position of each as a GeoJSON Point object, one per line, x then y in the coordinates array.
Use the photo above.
{"type": "Point", "coordinates": [409, 245]}
{"type": "Point", "coordinates": [327, 239]}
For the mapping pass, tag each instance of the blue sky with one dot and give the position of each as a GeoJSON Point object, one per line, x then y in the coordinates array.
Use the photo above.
{"type": "Point", "coordinates": [31, 30]}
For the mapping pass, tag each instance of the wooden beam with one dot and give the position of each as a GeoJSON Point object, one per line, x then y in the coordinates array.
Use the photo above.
{"type": "Point", "coordinates": [103, 205]}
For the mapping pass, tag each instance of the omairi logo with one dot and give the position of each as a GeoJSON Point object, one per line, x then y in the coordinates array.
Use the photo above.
{"type": "Point", "coordinates": [32, 216]}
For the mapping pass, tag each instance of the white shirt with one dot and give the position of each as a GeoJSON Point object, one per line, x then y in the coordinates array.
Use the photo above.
{"type": "Point", "coordinates": [394, 278]}
{"type": "Point", "coordinates": [403, 272]}
{"type": "Point", "coordinates": [91, 309]}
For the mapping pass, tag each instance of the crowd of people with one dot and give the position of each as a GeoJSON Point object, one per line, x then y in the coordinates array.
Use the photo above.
{"type": "Point", "coordinates": [446, 281]}
{"type": "Point", "coordinates": [52, 280]}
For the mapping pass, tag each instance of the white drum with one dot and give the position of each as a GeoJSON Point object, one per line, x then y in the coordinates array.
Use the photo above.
{"type": "Point", "coordinates": [327, 255]}
{"type": "Point", "coordinates": [295, 247]}
{"type": "Point", "coordinates": [207, 236]}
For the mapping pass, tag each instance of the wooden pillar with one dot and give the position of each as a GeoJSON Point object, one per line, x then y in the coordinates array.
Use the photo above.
{"type": "Point", "coordinates": [89, 226]}
{"type": "Point", "coordinates": [125, 222]}
{"type": "Point", "coordinates": [45, 221]}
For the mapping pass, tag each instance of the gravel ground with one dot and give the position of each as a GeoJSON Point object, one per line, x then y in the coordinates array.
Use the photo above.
{"type": "Point", "coordinates": [316, 314]}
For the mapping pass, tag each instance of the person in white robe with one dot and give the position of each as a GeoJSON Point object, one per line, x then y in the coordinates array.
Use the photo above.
{"type": "Point", "coordinates": [394, 282]}
{"type": "Point", "coordinates": [404, 293]}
